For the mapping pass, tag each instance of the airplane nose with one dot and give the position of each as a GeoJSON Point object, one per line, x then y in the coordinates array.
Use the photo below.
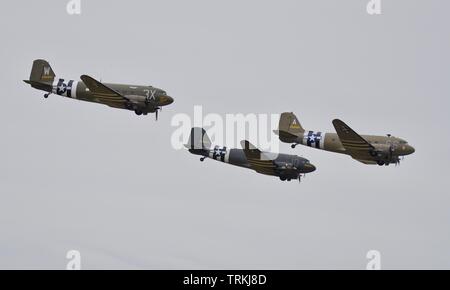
{"type": "Point", "coordinates": [309, 168]}
{"type": "Point", "coordinates": [166, 100]}
{"type": "Point", "coordinates": [409, 150]}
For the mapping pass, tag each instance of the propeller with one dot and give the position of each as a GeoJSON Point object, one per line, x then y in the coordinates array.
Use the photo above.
{"type": "Point", "coordinates": [392, 148]}
{"type": "Point", "coordinates": [397, 159]}
{"type": "Point", "coordinates": [156, 112]}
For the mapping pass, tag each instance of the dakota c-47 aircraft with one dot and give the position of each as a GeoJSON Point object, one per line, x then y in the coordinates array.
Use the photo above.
{"type": "Point", "coordinates": [368, 149]}
{"type": "Point", "coordinates": [286, 167]}
{"type": "Point", "coordinates": [140, 99]}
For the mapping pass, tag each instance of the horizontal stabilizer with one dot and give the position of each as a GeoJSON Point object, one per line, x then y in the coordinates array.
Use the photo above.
{"type": "Point", "coordinates": [284, 135]}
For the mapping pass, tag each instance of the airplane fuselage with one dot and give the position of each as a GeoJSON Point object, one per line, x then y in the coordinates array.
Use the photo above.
{"type": "Point", "coordinates": [142, 99]}
{"type": "Point", "coordinates": [289, 166]}
{"type": "Point", "coordinates": [389, 148]}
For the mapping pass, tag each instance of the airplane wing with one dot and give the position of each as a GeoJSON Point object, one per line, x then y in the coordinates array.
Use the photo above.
{"type": "Point", "coordinates": [366, 161]}
{"type": "Point", "coordinates": [253, 155]}
{"type": "Point", "coordinates": [356, 145]}
{"type": "Point", "coordinates": [104, 94]}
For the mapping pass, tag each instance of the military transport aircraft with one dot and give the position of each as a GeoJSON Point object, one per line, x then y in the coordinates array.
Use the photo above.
{"type": "Point", "coordinates": [286, 167]}
{"type": "Point", "coordinates": [140, 99]}
{"type": "Point", "coordinates": [368, 149]}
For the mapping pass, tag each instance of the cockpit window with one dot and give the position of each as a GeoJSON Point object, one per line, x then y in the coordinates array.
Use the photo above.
{"type": "Point", "coordinates": [298, 163]}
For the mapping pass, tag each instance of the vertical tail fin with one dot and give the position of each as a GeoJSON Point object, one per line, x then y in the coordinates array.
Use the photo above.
{"type": "Point", "coordinates": [289, 123]}
{"type": "Point", "coordinates": [289, 128]}
{"type": "Point", "coordinates": [42, 74]}
{"type": "Point", "coordinates": [198, 140]}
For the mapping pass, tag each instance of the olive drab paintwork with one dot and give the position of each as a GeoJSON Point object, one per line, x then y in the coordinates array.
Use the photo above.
{"type": "Point", "coordinates": [368, 149]}
{"type": "Point", "coordinates": [140, 99]}
{"type": "Point", "coordinates": [286, 167]}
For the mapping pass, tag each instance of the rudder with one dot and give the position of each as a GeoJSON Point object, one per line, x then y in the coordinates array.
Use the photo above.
{"type": "Point", "coordinates": [41, 73]}
{"type": "Point", "coordinates": [290, 124]}
{"type": "Point", "coordinates": [198, 140]}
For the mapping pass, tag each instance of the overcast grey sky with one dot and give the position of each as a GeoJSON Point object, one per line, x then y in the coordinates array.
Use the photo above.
{"type": "Point", "coordinates": [82, 176]}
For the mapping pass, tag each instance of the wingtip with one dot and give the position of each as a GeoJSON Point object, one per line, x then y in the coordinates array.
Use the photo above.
{"type": "Point", "coordinates": [337, 121]}
{"type": "Point", "coordinates": [84, 77]}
